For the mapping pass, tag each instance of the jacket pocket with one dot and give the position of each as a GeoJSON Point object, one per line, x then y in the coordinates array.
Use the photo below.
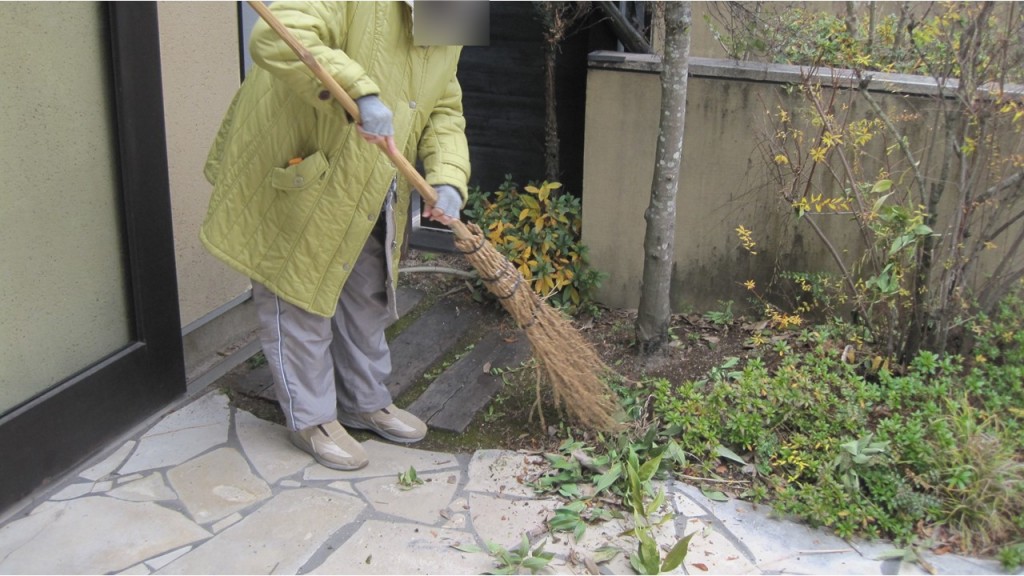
{"type": "Point", "coordinates": [300, 175]}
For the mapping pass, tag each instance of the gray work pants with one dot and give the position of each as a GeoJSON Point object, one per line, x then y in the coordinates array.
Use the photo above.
{"type": "Point", "coordinates": [318, 363]}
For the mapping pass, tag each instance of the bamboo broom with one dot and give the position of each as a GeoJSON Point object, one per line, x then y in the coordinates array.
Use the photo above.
{"type": "Point", "coordinates": [569, 363]}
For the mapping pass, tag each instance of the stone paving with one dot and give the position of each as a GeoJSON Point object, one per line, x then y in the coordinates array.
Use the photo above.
{"type": "Point", "coordinates": [213, 490]}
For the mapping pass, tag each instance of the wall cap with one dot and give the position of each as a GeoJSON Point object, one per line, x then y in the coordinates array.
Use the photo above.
{"type": "Point", "coordinates": [726, 68]}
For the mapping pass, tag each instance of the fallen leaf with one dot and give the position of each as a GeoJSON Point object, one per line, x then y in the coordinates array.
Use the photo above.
{"type": "Point", "coordinates": [487, 367]}
{"type": "Point", "coordinates": [715, 495]}
{"type": "Point", "coordinates": [369, 558]}
{"type": "Point", "coordinates": [701, 566]}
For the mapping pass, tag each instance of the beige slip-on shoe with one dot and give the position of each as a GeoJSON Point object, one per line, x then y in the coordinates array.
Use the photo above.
{"type": "Point", "coordinates": [331, 446]}
{"type": "Point", "coordinates": [391, 423]}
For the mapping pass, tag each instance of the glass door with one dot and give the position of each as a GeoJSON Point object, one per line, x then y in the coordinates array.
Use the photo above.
{"type": "Point", "coordinates": [89, 334]}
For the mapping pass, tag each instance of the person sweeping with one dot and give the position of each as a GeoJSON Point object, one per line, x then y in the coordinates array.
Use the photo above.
{"type": "Point", "coordinates": [315, 217]}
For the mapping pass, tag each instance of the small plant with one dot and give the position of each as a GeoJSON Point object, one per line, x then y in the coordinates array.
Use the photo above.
{"type": "Point", "coordinates": [511, 560]}
{"type": "Point", "coordinates": [856, 455]}
{"type": "Point", "coordinates": [647, 558]}
{"type": "Point", "coordinates": [409, 479]}
{"type": "Point", "coordinates": [255, 361]}
{"type": "Point", "coordinates": [1012, 557]}
{"type": "Point", "coordinates": [538, 230]}
{"type": "Point", "coordinates": [721, 317]}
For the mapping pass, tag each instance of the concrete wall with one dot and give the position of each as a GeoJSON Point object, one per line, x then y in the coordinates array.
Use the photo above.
{"type": "Point", "coordinates": [723, 180]}
{"type": "Point", "coordinates": [719, 170]}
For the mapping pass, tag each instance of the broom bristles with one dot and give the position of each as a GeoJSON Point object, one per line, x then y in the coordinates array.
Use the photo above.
{"type": "Point", "coordinates": [570, 365]}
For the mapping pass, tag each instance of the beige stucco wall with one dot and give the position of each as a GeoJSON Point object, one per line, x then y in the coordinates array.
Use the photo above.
{"type": "Point", "coordinates": [723, 184]}
{"type": "Point", "coordinates": [716, 180]}
{"type": "Point", "coordinates": [199, 62]}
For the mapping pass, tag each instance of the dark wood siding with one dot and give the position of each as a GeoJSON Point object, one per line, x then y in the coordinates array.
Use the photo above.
{"type": "Point", "coordinates": [503, 97]}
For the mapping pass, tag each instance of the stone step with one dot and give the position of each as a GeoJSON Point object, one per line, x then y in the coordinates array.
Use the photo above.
{"type": "Point", "coordinates": [426, 341]}
{"type": "Point", "coordinates": [454, 398]}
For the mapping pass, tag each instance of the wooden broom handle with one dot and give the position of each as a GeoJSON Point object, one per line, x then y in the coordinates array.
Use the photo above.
{"type": "Point", "coordinates": [404, 166]}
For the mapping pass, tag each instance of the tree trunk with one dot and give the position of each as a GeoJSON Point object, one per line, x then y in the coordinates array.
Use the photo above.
{"type": "Point", "coordinates": [551, 163]}
{"type": "Point", "coordinates": [659, 240]}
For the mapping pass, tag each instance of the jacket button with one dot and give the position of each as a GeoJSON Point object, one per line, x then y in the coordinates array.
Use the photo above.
{"type": "Point", "coordinates": [346, 266]}
{"type": "Point", "coordinates": [324, 95]}
{"type": "Point", "coordinates": [299, 180]}
{"type": "Point", "coordinates": [412, 104]}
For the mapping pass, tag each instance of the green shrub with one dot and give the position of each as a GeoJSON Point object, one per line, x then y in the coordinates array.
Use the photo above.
{"type": "Point", "coordinates": [538, 230]}
{"type": "Point", "coordinates": [886, 453]}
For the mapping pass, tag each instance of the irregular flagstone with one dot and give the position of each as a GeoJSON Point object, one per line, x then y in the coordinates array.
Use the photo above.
{"type": "Point", "coordinates": [759, 531]}
{"type": "Point", "coordinates": [94, 534]}
{"type": "Point", "coordinates": [504, 472]}
{"type": "Point", "coordinates": [387, 460]}
{"type": "Point", "coordinates": [711, 551]}
{"type": "Point", "coordinates": [345, 487]}
{"type": "Point", "coordinates": [380, 547]}
{"type": "Point", "coordinates": [152, 488]}
{"type": "Point", "coordinates": [279, 537]}
{"type": "Point", "coordinates": [165, 559]}
{"type": "Point", "coordinates": [183, 434]}
{"type": "Point", "coordinates": [73, 491]}
{"type": "Point", "coordinates": [101, 487]}
{"type": "Point", "coordinates": [684, 506]}
{"type": "Point", "coordinates": [267, 446]}
{"type": "Point", "coordinates": [944, 563]}
{"type": "Point", "coordinates": [214, 485]}
{"type": "Point", "coordinates": [776, 544]}
{"type": "Point", "coordinates": [421, 503]}
{"type": "Point", "coordinates": [109, 464]}
{"type": "Point", "coordinates": [223, 523]}
{"type": "Point", "coordinates": [504, 521]}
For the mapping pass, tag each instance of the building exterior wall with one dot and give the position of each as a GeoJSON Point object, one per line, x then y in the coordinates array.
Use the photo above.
{"type": "Point", "coordinates": [199, 53]}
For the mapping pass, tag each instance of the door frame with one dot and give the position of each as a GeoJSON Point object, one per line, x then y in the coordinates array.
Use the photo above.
{"type": "Point", "coordinates": [50, 434]}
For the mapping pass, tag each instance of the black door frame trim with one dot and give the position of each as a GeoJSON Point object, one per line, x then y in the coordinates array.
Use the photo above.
{"type": "Point", "coordinates": [61, 428]}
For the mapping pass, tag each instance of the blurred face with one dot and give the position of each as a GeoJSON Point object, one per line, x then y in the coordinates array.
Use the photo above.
{"type": "Point", "coordinates": [451, 22]}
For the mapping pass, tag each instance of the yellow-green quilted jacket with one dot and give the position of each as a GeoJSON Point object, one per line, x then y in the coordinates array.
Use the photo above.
{"type": "Point", "coordinates": [297, 227]}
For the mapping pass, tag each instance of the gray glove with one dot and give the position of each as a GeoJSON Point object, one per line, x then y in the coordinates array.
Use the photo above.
{"type": "Point", "coordinates": [448, 200]}
{"type": "Point", "coordinates": [375, 116]}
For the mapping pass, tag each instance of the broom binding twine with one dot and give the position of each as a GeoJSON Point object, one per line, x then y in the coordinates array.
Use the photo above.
{"type": "Point", "coordinates": [570, 365]}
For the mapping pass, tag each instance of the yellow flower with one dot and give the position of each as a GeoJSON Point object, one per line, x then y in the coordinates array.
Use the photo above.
{"type": "Point", "coordinates": [750, 284]}
{"type": "Point", "coordinates": [781, 159]}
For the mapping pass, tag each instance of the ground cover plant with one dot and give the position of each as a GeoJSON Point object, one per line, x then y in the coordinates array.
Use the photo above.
{"type": "Point", "coordinates": [930, 454]}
